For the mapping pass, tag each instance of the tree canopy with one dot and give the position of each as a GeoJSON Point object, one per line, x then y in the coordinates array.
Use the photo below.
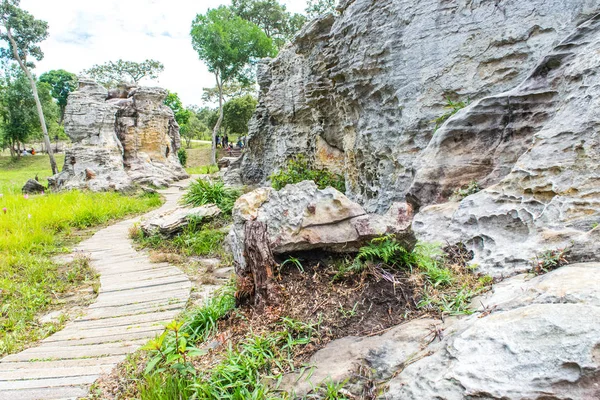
{"type": "Point", "coordinates": [62, 83]}
{"type": "Point", "coordinates": [18, 114]}
{"type": "Point", "coordinates": [23, 33]}
{"type": "Point", "coordinates": [237, 113]}
{"type": "Point", "coordinates": [112, 73]}
{"type": "Point", "coordinates": [314, 8]}
{"type": "Point", "coordinates": [228, 45]}
{"type": "Point", "coordinates": [272, 17]}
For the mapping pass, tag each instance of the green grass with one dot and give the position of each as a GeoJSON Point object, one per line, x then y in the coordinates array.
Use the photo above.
{"type": "Point", "coordinates": [32, 230]}
{"type": "Point", "coordinates": [202, 170]}
{"type": "Point", "coordinates": [204, 192]}
{"type": "Point", "coordinates": [14, 172]}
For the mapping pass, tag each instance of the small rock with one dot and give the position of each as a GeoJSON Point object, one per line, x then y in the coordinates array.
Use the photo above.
{"type": "Point", "coordinates": [33, 187]}
{"type": "Point", "coordinates": [171, 222]}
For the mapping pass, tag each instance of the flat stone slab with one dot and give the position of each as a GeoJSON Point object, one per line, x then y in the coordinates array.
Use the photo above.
{"type": "Point", "coordinates": [136, 298]}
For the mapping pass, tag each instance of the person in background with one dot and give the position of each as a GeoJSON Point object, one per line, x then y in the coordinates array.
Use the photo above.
{"type": "Point", "coordinates": [226, 140]}
{"type": "Point", "coordinates": [32, 151]}
{"type": "Point", "coordinates": [218, 141]}
{"type": "Point", "coordinates": [240, 144]}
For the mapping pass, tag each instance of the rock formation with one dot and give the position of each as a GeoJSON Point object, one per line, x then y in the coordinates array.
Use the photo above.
{"type": "Point", "coordinates": [358, 94]}
{"type": "Point", "coordinates": [119, 141]}
{"type": "Point", "coordinates": [302, 217]}
{"type": "Point", "coordinates": [536, 338]}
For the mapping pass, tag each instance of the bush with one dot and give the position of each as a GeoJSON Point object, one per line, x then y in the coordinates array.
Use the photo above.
{"type": "Point", "coordinates": [204, 192]}
{"type": "Point", "coordinates": [182, 155]}
{"type": "Point", "coordinates": [298, 170]}
{"type": "Point", "coordinates": [453, 107]}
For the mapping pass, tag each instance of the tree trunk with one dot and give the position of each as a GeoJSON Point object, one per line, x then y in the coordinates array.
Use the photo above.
{"type": "Point", "coordinates": [213, 156]}
{"type": "Point", "coordinates": [258, 273]}
{"type": "Point", "coordinates": [37, 101]}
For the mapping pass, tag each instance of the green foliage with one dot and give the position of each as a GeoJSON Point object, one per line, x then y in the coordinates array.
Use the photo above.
{"type": "Point", "coordinates": [228, 44]}
{"type": "Point", "coordinates": [237, 114]}
{"type": "Point", "coordinates": [204, 192]}
{"type": "Point", "coordinates": [230, 91]}
{"type": "Point", "coordinates": [550, 260]}
{"type": "Point", "coordinates": [182, 155]}
{"type": "Point", "coordinates": [62, 83]}
{"type": "Point", "coordinates": [272, 17]}
{"type": "Point", "coordinates": [465, 192]}
{"type": "Point", "coordinates": [202, 322]}
{"type": "Point", "coordinates": [112, 73]}
{"type": "Point", "coordinates": [32, 230]}
{"type": "Point", "coordinates": [453, 107]}
{"type": "Point", "coordinates": [203, 242]}
{"type": "Point", "coordinates": [298, 170]}
{"type": "Point", "coordinates": [314, 8]}
{"type": "Point", "coordinates": [166, 387]}
{"type": "Point", "coordinates": [26, 31]}
{"type": "Point", "coordinates": [240, 375]}
{"type": "Point", "coordinates": [385, 249]}
{"type": "Point", "coordinates": [294, 261]}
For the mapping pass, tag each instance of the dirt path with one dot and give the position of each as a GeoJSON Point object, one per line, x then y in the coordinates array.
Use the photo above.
{"type": "Point", "coordinates": [135, 298]}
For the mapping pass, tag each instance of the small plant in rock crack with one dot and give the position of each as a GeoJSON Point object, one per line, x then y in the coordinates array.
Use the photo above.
{"type": "Point", "coordinates": [172, 351]}
{"type": "Point", "coordinates": [550, 260]}
{"type": "Point", "coordinates": [453, 107]}
{"type": "Point", "coordinates": [466, 191]}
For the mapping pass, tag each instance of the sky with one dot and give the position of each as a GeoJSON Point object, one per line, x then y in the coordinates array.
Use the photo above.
{"type": "Point", "coordinates": [88, 32]}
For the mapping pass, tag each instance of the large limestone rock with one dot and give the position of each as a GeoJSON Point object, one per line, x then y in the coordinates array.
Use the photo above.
{"type": "Point", "coordinates": [541, 340]}
{"type": "Point", "coordinates": [535, 150]}
{"type": "Point", "coordinates": [120, 141]}
{"type": "Point", "coordinates": [357, 93]}
{"type": "Point", "coordinates": [302, 217]}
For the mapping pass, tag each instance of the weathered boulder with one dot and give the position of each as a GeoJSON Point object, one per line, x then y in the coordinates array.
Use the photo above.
{"type": "Point", "coordinates": [173, 221]}
{"type": "Point", "coordinates": [302, 217]}
{"type": "Point", "coordinates": [118, 142]}
{"type": "Point", "coordinates": [537, 337]}
{"type": "Point", "coordinates": [357, 93]}
{"type": "Point", "coordinates": [33, 187]}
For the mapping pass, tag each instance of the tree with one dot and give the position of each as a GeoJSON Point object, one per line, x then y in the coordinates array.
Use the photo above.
{"type": "Point", "coordinates": [314, 8]}
{"type": "Point", "coordinates": [111, 73]}
{"type": "Point", "coordinates": [22, 32]}
{"type": "Point", "coordinates": [18, 113]}
{"type": "Point", "coordinates": [272, 17]}
{"type": "Point", "coordinates": [237, 113]}
{"type": "Point", "coordinates": [182, 116]}
{"type": "Point", "coordinates": [230, 90]}
{"type": "Point", "coordinates": [228, 45]}
{"type": "Point", "coordinates": [62, 83]}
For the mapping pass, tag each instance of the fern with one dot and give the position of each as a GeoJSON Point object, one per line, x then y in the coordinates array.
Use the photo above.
{"type": "Point", "coordinates": [385, 249]}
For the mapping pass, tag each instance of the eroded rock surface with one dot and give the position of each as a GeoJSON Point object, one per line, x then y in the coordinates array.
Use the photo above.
{"type": "Point", "coordinates": [541, 340]}
{"type": "Point", "coordinates": [118, 142]}
{"type": "Point", "coordinates": [358, 93]}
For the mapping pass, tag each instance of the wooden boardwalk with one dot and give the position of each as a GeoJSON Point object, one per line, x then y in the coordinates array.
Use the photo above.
{"type": "Point", "coordinates": [135, 299]}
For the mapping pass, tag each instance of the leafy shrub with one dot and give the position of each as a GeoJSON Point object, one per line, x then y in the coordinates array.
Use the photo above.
{"type": "Point", "coordinates": [182, 155]}
{"type": "Point", "coordinates": [298, 170]}
{"type": "Point", "coordinates": [204, 192]}
{"type": "Point", "coordinates": [453, 107]}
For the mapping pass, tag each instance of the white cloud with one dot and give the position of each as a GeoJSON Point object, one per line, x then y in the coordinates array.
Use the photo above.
{"type": "Point", "coordinates": [84, 33]}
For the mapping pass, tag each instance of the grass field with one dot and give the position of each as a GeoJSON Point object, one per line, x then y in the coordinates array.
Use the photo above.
{"type": "Point", "coordinates": [32, 230]}
{"type": "Point", "coordinates": [15, 172]}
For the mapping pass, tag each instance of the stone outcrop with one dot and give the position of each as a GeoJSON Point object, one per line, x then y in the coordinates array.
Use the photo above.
{"type": "Point", "coordinates": [358, 94]}
{"type": "Point", "coordinates": [119, 141]}
{"type": "Point", "coordinates": [302, 217]}
{"type": "Point", "coordinates": [173, 221]}
{"type": "Point", "coordinates": [536, 338]}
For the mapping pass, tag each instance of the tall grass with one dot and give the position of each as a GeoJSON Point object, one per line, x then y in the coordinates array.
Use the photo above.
{"type": "Point", "coordinates": [204, 192]}
{"type": "Point", "coordinates": [32, 230]}
{"type": "Point", "coordinates": [14, 172]}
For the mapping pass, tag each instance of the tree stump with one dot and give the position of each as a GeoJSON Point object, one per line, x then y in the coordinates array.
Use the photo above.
{"type": "Point", "coordinates": [33, 187]}
{"type": "Point", "coordinates": [256, 280]}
